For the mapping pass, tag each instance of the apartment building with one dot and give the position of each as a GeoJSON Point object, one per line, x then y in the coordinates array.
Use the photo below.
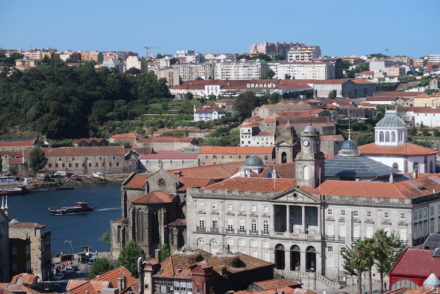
{"type": "Point", "coordinates": [276, 48]}
{"type": "Point", "coordinates": [135, 62]}
{"type": "Point", "coordinates": [241, 70]}
{"type": "Point", "coordinates": [303, 53]}
{"type": "Point", "coordinates": [304, 70]}
{"type": "Point", "coordinates": [95, 56]}
{"type": "Point", "coordinates": [193, 71]}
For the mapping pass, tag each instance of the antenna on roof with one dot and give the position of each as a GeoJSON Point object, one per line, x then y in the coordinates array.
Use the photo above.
{"type": "Point", "coordinates": [349, 127]}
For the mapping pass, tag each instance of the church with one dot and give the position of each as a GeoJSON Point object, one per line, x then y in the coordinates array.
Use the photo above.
{"type": "Point", "coordinates": [299, 214]}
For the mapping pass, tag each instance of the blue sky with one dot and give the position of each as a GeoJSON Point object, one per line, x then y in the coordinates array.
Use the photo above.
{"type": "Point", "coordinates": [340, 27]}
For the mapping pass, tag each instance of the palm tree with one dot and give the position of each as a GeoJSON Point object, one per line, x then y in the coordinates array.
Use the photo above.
{"type": "Point", "coordinates": [356, 262]}
{"type": "Point", "coordinates": [386, 249]}
{"type": "Point", "coordinates": [368, 248]}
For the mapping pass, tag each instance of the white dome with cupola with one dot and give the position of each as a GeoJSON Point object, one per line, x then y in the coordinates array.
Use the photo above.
{"type": "Point", "coordinates": [390, 130]}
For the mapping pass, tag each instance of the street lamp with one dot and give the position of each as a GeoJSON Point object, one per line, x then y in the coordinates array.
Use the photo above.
{"type": "Point", "coordinates": [71, 248]}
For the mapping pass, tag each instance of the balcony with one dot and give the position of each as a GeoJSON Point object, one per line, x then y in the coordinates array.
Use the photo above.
{"type": "Point", "coordinates": [214, 230]}
{"type": "Point", "coordinates": [330, 237]}
{"type": "Point", "coordinates": [265, 233]}
{"type": "Point", "coordinates": [229, 231]}
{"type": "Point", "coordinates": [241, 231]}
{"type": "Point", "coordinates": [252, 232]}
{"type": "Point", "coordinates": [201, 229]}
{"type": "Point", "coordinates": [341, 238]}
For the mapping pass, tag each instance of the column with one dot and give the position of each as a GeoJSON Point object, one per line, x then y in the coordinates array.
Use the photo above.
{"type": "Point", "coordinates": [146, 227]}
{"type": "Point", "coordinates": [161, 225]}
{"type": "Point", "coordinates": [288, 218]}
{"type": "Point", "coordinates": [303, 219]}
{"type": "Point", "coordinates": [287, 258]}
{"type": "Point", "coordinates": [302, 255]}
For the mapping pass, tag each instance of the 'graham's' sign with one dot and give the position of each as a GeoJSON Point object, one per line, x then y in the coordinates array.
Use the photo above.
{"type": "Point", "coordinates": [265, 86]}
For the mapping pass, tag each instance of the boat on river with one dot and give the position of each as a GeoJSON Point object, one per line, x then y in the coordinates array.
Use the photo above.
{"type": "Point", "coordinates": [12, 190]}
{"type": "Point", "coordinates": [79, 208]}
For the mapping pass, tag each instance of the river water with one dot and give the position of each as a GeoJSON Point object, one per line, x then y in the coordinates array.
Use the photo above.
{"type": "Point", "coordinates": [82, 229]}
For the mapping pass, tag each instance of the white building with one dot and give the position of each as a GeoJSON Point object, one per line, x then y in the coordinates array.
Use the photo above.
{"type": "Point", "coordinates": [434, 58]}
{"type": "Point", "coordinates": [134, 62]}
{"type": "Point", "coordinates": [303, 53]}
{"type": "Point", "coordinates": [258, 132]}
{"type": "Point", "coordinates": [391, 147]}
{"type": "Point", "coordinates": [208, 112]}
{"type": "Point", "coordinates": [424, 116]}
{"type": "Point", "coordinates": [193, 71]}
{"type": "Point", "coordinates": [240, 70]}
{"type": "Point", "coordinates": [305, 70]}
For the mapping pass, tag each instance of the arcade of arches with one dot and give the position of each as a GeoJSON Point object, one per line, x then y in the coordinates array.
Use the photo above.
{"type": "Point", "coordinates": [295, 260]}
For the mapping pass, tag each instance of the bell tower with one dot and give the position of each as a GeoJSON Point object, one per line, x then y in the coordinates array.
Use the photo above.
{"type": "Point", "coordinates": [309, 163]}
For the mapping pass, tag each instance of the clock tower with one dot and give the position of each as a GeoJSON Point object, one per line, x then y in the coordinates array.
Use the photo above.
{"type": "Point", "coordinates": [309, 163]}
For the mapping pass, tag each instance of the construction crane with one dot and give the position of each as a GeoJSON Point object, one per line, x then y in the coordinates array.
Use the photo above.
{"type": "Point", "coordinates": [147, 48]}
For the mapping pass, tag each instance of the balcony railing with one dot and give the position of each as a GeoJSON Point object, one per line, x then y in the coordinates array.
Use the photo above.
{"type": "Point", "coordinates": [201, 229]}
{"type": "Point", "coordinates": [253, 232]}
{"type": "Point", "coordinates": [241, 231]}
{"type": "Point", "coordinates": [265, 233]}
{"type": "Point", "coordinates": [230, 231]}
{"type": "Point", "coordinates": [214, 230]}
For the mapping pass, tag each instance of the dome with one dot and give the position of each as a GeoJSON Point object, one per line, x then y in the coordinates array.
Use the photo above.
{"type": "Point", "coordinates": [254, 161]}
{"type": "Point", "coordinates": [391, 120]}
{"type": "Point", "coordinates": [348, 148]}
{"type": "Point", "coordinates": [432, 281]}
{"type": "Point", "coordinates": [311, 130]}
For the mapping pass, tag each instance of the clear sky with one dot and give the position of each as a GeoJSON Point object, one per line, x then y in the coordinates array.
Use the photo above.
{"type": "Point", "coordinates": [340, 27]}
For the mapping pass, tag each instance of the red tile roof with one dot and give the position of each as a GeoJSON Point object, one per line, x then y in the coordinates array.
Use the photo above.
{"type": "Point", "coordinates": [154, 197]}
{"type": "Point", "coordinates": [235, 150]}
{"type": "Point", "coordinates": [285, 170]}
{"type": "Point", "coordinates": [113, 275]}
{"type": "Point", "coordinates": [218, 171]}
{"type": "Point", "coordinates": [169, 155]}
{"type": "Point", "coordinates": [166, 139]}
{"type": "Point", "coordinates": [276, 283]}
{"type": "Point", "coordinates": [177, 223]}
{"type": "Point", "coordinates": [416, 263]}
{"type": "Point", "coordinates": [425, 110]}
{"type": "Point", "coordinates": [137, 181]}
{"type": "Point", "coordinates": [124, 136]}
{"type": "Point", "coordinates": [332, 138]}
{"type": "Point", "coordinates": [266, 185]}
{"type": "Point", "coordinates": [406, 149]}
{"type": "Point", "coordinates": [16, 143]}
{"type": "Point", "coordinates": [81, 151]}
{"type": "Point", "coordinates": [190, 182]}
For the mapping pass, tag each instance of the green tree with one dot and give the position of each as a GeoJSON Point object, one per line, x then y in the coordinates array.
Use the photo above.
{"type": "Point", "coordinates": [437, 132]}
{"type": "Point", "coordinates": [100, 266]}
{"type": "Point", "coordinates": [188, 96]}
{"type": "Point", "coordinates": [413, 131]}
{"type": "Point", "coordinates": [245, 103]}
{"type": "Point", "coordinates": [364, 138]}
{"type": "Point", "coordinates": [106, 238]}
{"type": "Point", "coordinates": [12, 170]}
{"type": "Point", "coordinates": [332, 94]}
{"type": "Point", "coordinates": [287, 77]}
{"type": "Point", "coordinates": [165, 252]}
{"type": "Point", "coordinates": [270, 74]}
{"type": "Point", "coordinates": [129, 256]}
{"type": "Point", "coordinates": [425, 132]}
{"type": "Point", "coordinates": [386, 249]}
{"type": "Point", "coordinates": [356, 262]}
{"type": "Point", "coordinates": [37, 159]}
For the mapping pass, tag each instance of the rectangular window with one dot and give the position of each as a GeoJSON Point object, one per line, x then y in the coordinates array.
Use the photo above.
{"type": "Point", "coordinates": [330, 229]}
{"type": "Point", "coordinates": [355, 213]}
{"type": "Point", "coordinates": [356, 231]}
{"type": "Point", "coordinates": [343, 212]}
{"type": "Point", "coordinates": [402, 235]}
{"type": "Point", "coordinates": [386, 214]}
{"type": "Point", "coordinates": [265, 208]}
{"type": "Point", "coordinates": [230, 207]}
{"type": "Point", "coordinates": [241, 226]}
{"type": "Point", "coordinates": [253, 207]}
{"type": "Point", "coordinates": [369, 213]}
{"type": "Point", "coordinates": [330, 211]}
{"type": "Point", "coordinates": [330, 248]}
{"type": "Point", "coordinates": [342, 230]}
{"type": "Point", "coordinates": [402, 215]}
{"type": "Point", "coordinates": [241, 207]}
{"type": "Point", "coordinates": [369, 231]}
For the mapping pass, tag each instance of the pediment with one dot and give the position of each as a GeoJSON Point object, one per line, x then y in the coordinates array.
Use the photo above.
{"type": "Point", "coordinates": [296, 196]}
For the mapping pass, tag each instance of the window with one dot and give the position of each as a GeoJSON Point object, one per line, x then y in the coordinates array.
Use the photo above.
{"type": "Point", "coordinates": [266, 226]}
{"type": "Point", "coordinates": [395, 165]}
{"type": "Point", "coordinates": [355, 213]}
{"type": "Point", "coordinates": [386, 214]}
{"type": "Point", "coordinates": [253, 207]}
{"type": "Point", "coordinates": [241, 207]}
{"type": "Point", "coordinates": [369, 231]}
{"type": "Point", "coordinates": [241, 242]}
{"type": "Point", "coordinates": [342, 211]}
{"type": "Point", "coordinates": [330, 211]}
{"type": "Point", "coordinates": [214, 206]}
{"type": "Point", "coordinates": [214, 223]}
{"type": "Point", "coordinates": [230, 207]}
{"type": "Point", "coordinates": [369, 213]}
{"type": "Point", "coordinates": [381, 139]}
{"type": "Point", "coordinates": [201, 222]}
{"type": "Point", "coordinates": [254, 225]}
{"type": "Point", "coordinates": [201, 205]}
{"type": "Point", "coordinates": [241, 226]}
{"type": "Point", "coordinates": [230, 225]}
{"type": "Point", "coordinates": [402, 215]}
{"type": "Point", "coordinates": [330, 248]}
{"type": "Point", "coordinates": [266, 208]}
{"type": "Point", "coordinates": [342, 230]}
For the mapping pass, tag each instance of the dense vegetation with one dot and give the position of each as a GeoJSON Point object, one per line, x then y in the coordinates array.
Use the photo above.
{"type": "Point", "coordinates": [70, 102]}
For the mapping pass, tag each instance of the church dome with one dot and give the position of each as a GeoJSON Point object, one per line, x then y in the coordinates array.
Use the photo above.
{"type": "Point", "coordinates": [253, 161]}
{"type": "Point", "coordinates": [348, 148]}
{"type": "Point", "coordinates": [311, 130]}
{"type": "Point", "coordinates": [391, 120]}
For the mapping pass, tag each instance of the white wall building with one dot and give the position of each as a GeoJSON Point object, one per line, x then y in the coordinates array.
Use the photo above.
{"type": "Point", "coordinates": [134, 62]}
{"type": "Point", "coordinates": [428, 117]}
{"type": "Point", "coordinates": [208, 112]}
{"type": "Point", "coordinates": [303, 53]}
{"type": "Point", "coordinates": [434, 58]}
{"type": "Point", "coordinates": [240, 70]}
{"type": "Point", "coordinates": [306, 70]}
{"type": "Point", "coordinates": [391, 147]}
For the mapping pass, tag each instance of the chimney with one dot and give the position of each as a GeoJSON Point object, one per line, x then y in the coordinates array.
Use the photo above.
{"type": "Point", "coordinates": [415, 174]}
{"type": "Point", "coordinates": [121, 283]}
{"type": "Point", "coordinates": [391, 178]}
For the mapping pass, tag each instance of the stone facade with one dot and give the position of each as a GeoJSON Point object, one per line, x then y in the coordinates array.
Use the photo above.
{"type": "Point", "coordinates": [210, 155]}
{"type": "Point", "coordinates": [41, 256]}
{"type": "Point", "coordinates": [4, 247]}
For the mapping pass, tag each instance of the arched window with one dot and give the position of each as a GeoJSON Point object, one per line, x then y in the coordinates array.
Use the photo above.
{"type": "Point", "coordinates": [310, 259]}
{"type": "Point", "coordinates": [279, 256]}
{"type": "Point", "coordinates": [416, 166]}
{"type": "Point", "coordinates": [254, 226]}
{"type": "Point", "coordinates": [306, 172]}
{"type": "Point", "coordinates": [387, 136]}
{"type": "Point", "coordinates": [395, 165]}
{"type": "Point", "coordinates": [381, 139]}
{"type": "Point", "coordinates": [295, 258]}
{"type": "Point", "coordinates": [393, 136]}
{"type": "Point", "coordinates": [266, 227]}
{"type": "Point", "coordinates": [400, 136]}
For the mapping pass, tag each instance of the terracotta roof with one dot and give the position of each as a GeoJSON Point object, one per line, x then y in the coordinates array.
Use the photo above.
{"type": "Point", "coordinates": [385, 98]}
{"type": "Point", "coordinates": [124, 136]}
{"type": "Point", "coordinates": [408, 149]}
{"type": "Point", "coordinates": [235, 150]}
{"type": "Point", "coordinates": [270, 120]}
{"type": "Point", "coordinates": [190, 182]}
{"type": "Point", "coordinates": [72, 284]}
{"type": "Point", "coordinates": [153, 198]}
{"type": "Point", "coordinates": [423, 185]}
{"type": "Point", "coordinates": [166, 139]}
{"type": "Point", "coordinates": [180, 222]}
{"type": "Point", "coordinates": [88, 140]}
{"type": "Point", "coordinates": [276, 283]}
{"type": "Point", "coordinates": [178, 264]}
{"type": "Point", "coordinates": [285, 290]}
{"type": "Point", "coordinates": [26, 225]}
{"type": "Point", "coordinates": [169, 155]}
{"type": "Point", "coordinates": [217, 171]}
{"type": "Point", "coordinates": [16, 143]}
{"type": "Point", "coordinates": [25, 278]}
{"type": "Point", "coordinates": [113, 275]}
{"type": "Point", "coordinates": [266, 185]}
{"type": "Point", "coordinates": [285, 170]}
{"type": "Point", "coordinates": [416, 263]}
{"type": "Point", "coordinates": [137, 181]}
{"type": "Point", "coordinates": [425, 110]}
{"type": "Point", "coordinates": [398, 93]}
{"type": "Point", "coordinates": [209, 109]}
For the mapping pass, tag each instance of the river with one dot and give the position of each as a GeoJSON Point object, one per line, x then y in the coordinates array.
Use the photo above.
{"type": "Point", "coordinates": [83, 229]}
